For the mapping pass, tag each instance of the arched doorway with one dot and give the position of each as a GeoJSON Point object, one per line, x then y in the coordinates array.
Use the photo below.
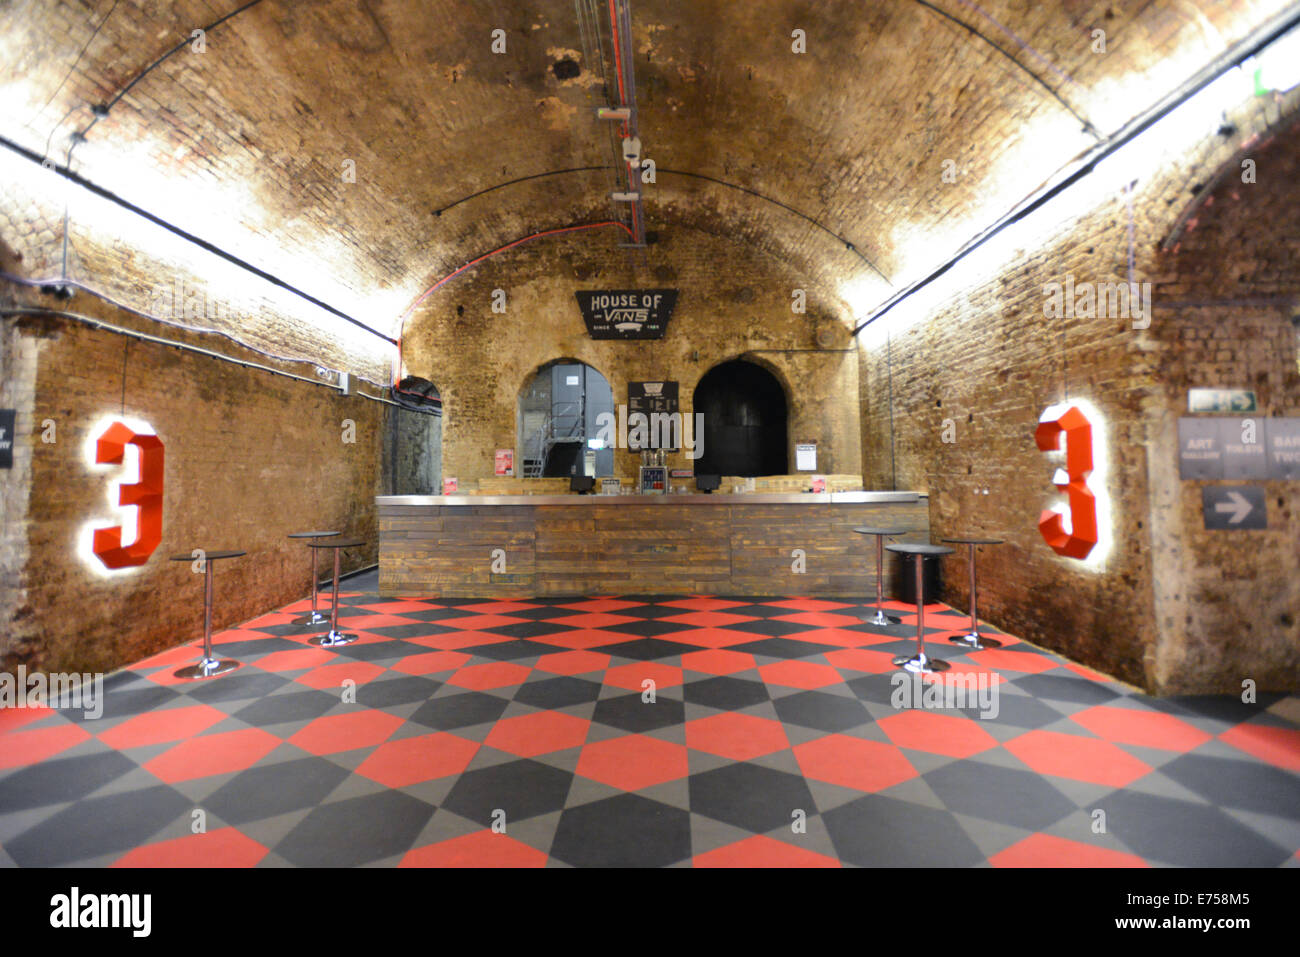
{"type": "Point", "coordinates": [745, 420]}
{"type": "Point", "coordinates": [558, 409]}
{"type": "Point", "coordinates": [413, 459]}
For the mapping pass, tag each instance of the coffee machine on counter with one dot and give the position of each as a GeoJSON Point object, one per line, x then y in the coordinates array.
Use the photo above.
{"type": "Point", "coordinates": [653, 473]}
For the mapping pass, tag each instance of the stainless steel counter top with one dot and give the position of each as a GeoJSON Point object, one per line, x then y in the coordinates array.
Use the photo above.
{"type": "Point", "coordinates": [807, 498]}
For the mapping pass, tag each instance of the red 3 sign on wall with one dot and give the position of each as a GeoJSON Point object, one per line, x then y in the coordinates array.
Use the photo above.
{"type": "Point", "coordinates": [146, 494]}
{"type": "Point", "coordinates": [1081, 537]}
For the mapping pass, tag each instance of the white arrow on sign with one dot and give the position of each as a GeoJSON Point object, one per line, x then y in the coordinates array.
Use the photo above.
{"type": "Point", "coordinates": [1238, 506]}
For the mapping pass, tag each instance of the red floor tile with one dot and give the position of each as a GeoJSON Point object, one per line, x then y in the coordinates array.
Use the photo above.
{"type": "Point", "coordinates": [823, 619]}
{"type": "Point", "coordinates": [453, 640]}
{"type": "Point", "coordinates": [542, 732]}
{"type": "Point", "coordinates": [1044, 850]}
{"type": "Point", "coordinates": [736, 736]}
{"type": "Point", "coordinates": [497, 607]}
{"type": "Point", "coordinates": [408, 761]}
{"type": "Point", "coordinates": [763, 851]}
{"type": "Point", "coordinates": [212, 754]}
{"type": "Point", "coordinates": [477, 622]}
{"type": "Point", "coordinates": [1147, 729]}
{"type": "Point", "coordinates": [1087, 672]}
{"type": "Point", "coordinates": [332, 677]}
{"type": "Point", "coordinates": [11, 719]}
{"type": "Point", "coordinates": [173, 657]}
{"type": "Point", "coordinates": [809, 604]}
{"type": "Point", "coordinates": [481, 849]}
{"type": "Point", "coordinates": [354, 619]}
{"type": "Point", "coordinates": [603, 604]}
{"type": "Point", "coordinates": [854, 763]}
{"type": "Point", "coordinates": [224, 847]}
{"type": "Point", "coordinates": [398, 606]}
{"type": "Point", "coordinates": [496, 674]}
{"type": "Point", "coordinates": [712, 637]}
{"type": "Point", "coordinates": [18, 748]}
{"type": "Point", "coordinates": [861, 659]}
{"type": "Point", "coordinates": [582, 638]}
{"type": "Point", "coordinates": [157, 727]}
{"type": "Point", "coordinates": [956, 736]}
{"type": "Point", "coordinates": [632, 762]}
{"type": "Point", "coordinates": [709, 619]}
{"type": "Point", "coordinates": [432, 663]}
{"type": "Point", "coordinates": [299, 659]}
{"type": "Point", "coordinates": [717, 661]}
{"type": "Point", "coordinates": [595, 619]}
{"type": "Point", "coordinates": [633, 676]}
{"type": "Point", "coordinates": [1002, 659]}
{"type": "Point", "coordinates": [703, 603]}
{"type": "Point", "coordinates": [1078, 758]}
{"type": "Point", "coordinates": [1278, 746]}
{"type": "Point", "coordinates": [842, 637]}
{"type": "Point", "coordinates": [344, 732]}
{"type": "Point", "coordinates": [573, 662]}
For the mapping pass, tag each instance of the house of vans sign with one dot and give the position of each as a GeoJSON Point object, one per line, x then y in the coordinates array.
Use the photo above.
{"type": "Point", "coordinates": [626, 313]}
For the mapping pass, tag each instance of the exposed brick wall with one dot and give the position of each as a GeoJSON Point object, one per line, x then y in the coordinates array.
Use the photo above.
{"type": "Point", "coordinates": [1175, 608]}
{"type": "Point", "coordinates": [733, 302]}
{"type": "Point", "coordinates": [1229, 316]}
{"type": "Point", "coordinates": [250, 457]}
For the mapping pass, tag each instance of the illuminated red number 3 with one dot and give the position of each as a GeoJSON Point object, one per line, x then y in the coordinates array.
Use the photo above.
{"type": "Point", "coordinates": [1082, 535]}
{"type": "Point", "coordinates": [147, 494]}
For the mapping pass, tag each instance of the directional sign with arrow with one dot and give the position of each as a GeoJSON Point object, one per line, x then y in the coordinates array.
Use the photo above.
{"type": "Point", "coordinates": [1234, 506]}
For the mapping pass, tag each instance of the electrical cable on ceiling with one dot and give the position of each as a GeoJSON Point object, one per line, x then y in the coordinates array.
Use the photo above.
{"type": "Point", "coordinates": [401, 326]}
{"type": "Point", "coordinates": [48, 284]}
{"type": "Point", "coordinates": [159, 340]}
{"type": "Point", "coordinates": [1087, 125]}
{"type": "Point", "coordinates": [848, 244]}
{"type": "Point", "coordinates": [75, 63]}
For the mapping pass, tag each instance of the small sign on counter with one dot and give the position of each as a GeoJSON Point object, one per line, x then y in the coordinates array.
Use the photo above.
{"type": "Point", "coordinates": [505, 462]}
{"type": "Point", "coordinates": [449, 486]}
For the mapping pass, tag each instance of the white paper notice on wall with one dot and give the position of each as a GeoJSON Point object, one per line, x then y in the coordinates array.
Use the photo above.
{"type": "Point", "coordinates": [570, 380]}
{"type": "Point", "coordinates": [805, 457]}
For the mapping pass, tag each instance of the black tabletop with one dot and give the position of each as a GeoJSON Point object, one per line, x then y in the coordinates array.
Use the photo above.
{"type": "Point", "coordinates": [906, 549]}
{"type": "Point", "coordinates": [313, 534]}
{"type": "Point", "coordinates": [207, 555]}
{"type": "Point", "coordinates": [974, 541]}
{"type": "Point", "coordinates": [870, 530]}
{"type": "Point", "coordinates": [346, 543]}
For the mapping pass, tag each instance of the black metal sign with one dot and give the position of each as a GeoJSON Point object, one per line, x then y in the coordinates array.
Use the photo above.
{"type": "Point", "coordinates": [1234, 506]}
{"type": "Point", "coordinates": [626, 313]}
{"type": "Point", "coordinates": [7, 417]}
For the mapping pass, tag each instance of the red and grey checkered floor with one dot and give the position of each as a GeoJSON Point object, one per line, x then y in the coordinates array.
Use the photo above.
{"type": "Point", "coordinates": [520, 733]}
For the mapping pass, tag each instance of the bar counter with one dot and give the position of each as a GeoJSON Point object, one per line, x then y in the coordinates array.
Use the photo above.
{"type": "Point", "coordinates": [756, 544]}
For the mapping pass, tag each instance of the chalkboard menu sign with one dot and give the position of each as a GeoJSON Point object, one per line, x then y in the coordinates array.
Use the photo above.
{"type": "Point", "coordinates": [651, 398]}
{"type": "Point", "coordinates": [626, 313]}
{"type": "Point", "coordinates": [648, 397]}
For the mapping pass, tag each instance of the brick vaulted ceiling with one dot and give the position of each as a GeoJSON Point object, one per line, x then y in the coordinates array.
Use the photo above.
{"type": "Point", "coordinates": [244, 145]}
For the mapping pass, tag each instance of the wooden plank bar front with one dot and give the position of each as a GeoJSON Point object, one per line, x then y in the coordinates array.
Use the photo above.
{"type": "Point", "coordinates": [463, 546]}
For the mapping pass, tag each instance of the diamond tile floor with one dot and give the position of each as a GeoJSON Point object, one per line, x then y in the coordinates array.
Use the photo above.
{"type": "Point", "coordinates": [641, 731]}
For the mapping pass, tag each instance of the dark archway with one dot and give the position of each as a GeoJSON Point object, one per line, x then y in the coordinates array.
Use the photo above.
{"type": "Point", "coordinates": [745, 419]}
